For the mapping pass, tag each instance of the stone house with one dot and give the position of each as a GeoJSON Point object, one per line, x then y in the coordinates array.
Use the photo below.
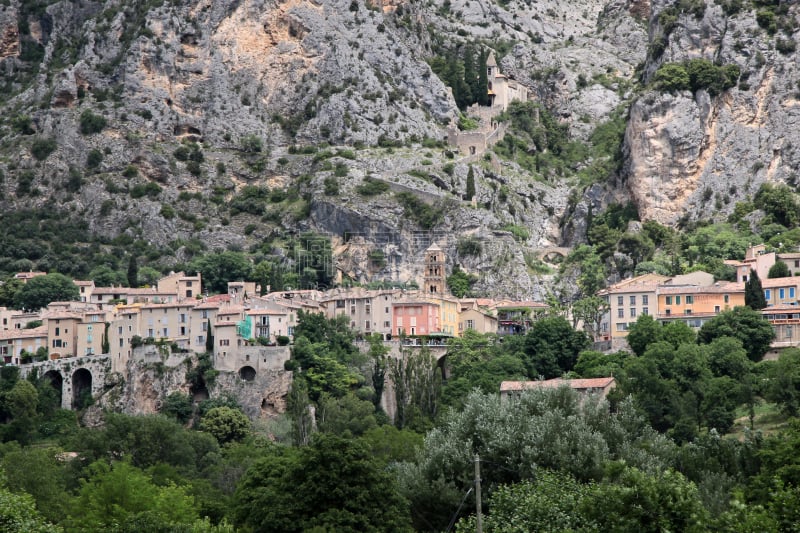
{"type": "Point", "coordinates": [477, 319]}
{"type": "Point", "coordinates": [697, 305]}
{"type": "Point", "coordinates": [13, 319]}
{"type": "Point", "coordinates": [14, 341]}
{"type": "Point", "coordinates": [180, 284]}
{"type": "Point", "coordinates": [414, 317]}
{"type": "Point", "coordinates": [781, 291]}
{"type": "Point", "coordinates": [627, 300]}
{"type": "Point", "coordinates": [502, 90]}
{"type": "Point", "coordinates": [585, 387]}
{"type": "Point", "coordinates": [369, 311]}
{"type": "Point", "coordinates": [85, 289]}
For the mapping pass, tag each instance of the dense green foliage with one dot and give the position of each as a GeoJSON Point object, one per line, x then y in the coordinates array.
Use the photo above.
{"type": "Point", "coordinates": [540, 143]}
{"type": "Point", "coordinates": [464, 71]}
{"type": "Point", "coordinates": [697, 74]}
{"type": "Point", "coordinates": [41, 290]}
{"type": "Point", "coordinates": [334, 484]}
{"type": "Point", "coordinates": [652, 459]}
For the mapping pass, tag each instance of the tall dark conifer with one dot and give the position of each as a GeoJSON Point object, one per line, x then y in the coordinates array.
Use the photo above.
{"type": "Point", "coordinates": [754, 293]}
{"type": "Point", "coordinates": [133, 272]}
{"type": "Point", "coordinates": [482, 97]}
{"type": "Point", "coordinates": [454, 76]}
{"type": "Point", "coordinates": [470, 74]}
{"type": "Point", "coordinates": [470, 183]}
{"type": "Point", "coordinates": [209, 338]}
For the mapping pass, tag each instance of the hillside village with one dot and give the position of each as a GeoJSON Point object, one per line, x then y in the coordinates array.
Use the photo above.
{"type": "Point", "coordinates": [175, 317]}
{"type": "Point", "coordinates": [383, 252]}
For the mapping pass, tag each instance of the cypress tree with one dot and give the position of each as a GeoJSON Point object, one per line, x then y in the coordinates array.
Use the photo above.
{"type": "Point", "coordinates": [754, 293]}
{"type": "Point", "coordinates": [105, 344]}
{"type": "Point", "coordinates": [133, 272]}
{"type": "Point", "coordinates": [454, 76]}
{"type": "Point", "coordinates": [470, 183]}
{"type": "Point", "coordinates": [482, 97]}
{"type": "Point", "coordinates": [209, 338]}
{"type": "Point", "coordinates": [470, 76]}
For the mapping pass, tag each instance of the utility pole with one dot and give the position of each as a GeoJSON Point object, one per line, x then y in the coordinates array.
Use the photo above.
{"type": "Point", "coordinates": [479, 520]}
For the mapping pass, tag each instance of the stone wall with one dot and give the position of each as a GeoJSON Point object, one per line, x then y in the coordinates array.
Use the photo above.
{"type": "Point", "coordinates": [150, 353]}
{"type": "Point", "coordinates": [98, 366]}
{"type": "Point", "coordinates": [263, 397]}
{"type": "Point", "coordinates": [260, 358]}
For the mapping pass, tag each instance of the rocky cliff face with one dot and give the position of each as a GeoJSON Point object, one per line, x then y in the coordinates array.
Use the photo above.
{"type": "Point", "coordinates": [158, 113]}
{"type": "Point", "coordinates": [692, 154]}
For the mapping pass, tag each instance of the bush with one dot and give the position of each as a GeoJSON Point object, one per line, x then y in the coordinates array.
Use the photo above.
{"type": "Point", "coordinates": [91, 123]}
{"type": "Point", "coordinates": [469, 246]}
{"type": "Point", "coordinates": [149, 189]}
{"type": "Point", "coordinates": [672, 77]}
{"type": "Point", "coordinates": [251, 199]}
{"type": "Point", "coordinates": [43, 147]}
{"type": "Point", "coordinates": [520, 233]}
{"type": "Point", "coordinates": [697, 74]}
{"type": "Point", "coordinates": [106, 207]}
{"type": "Point", "coordinates": [785, 46]}
{"type": "Point", "coordinates": [194, 168]}
{"type": "Point", "coordinates": [252, 143]}
{"type": "Point", "coordinates": [74, 181]}
{"type": "Point", "coordinates": [167, 211]}
{"type": "Point", "coordinates": [371, 187]}
{"type": "Point", "coordinates": [427, 216]}
{"type": "Point", "coordinates": [181, 153]}
{"type": "Point", "coordinates": [340, 171]}
{"type": "Point", "coordinates": [94, 158]}
{"type": "Point", "coordinates": [331, 186]}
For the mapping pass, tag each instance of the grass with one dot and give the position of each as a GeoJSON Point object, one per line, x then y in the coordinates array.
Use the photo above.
{"type": "Point", "coordinates": [768, 419]}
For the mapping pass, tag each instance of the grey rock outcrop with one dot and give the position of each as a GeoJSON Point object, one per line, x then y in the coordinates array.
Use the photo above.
{"type": "Point", "coordinates": [692, 155]}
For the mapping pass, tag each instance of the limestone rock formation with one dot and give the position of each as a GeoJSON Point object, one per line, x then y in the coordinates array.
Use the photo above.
{"type": "Point", "coordinates": [145, 121]}
{"type": "Point", "coordinates": [693, 155]}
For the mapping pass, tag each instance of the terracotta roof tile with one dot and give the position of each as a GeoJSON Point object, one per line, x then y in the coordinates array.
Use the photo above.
{"type": "Point", "coordinates": [577, 384]}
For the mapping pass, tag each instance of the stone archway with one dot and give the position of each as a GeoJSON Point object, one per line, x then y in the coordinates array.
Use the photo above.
{"type": "Point", "coordinates": [81, 388]}
{"type": "Point", "coordinates": [247, 373]}
{"type": "Point", "coordinates": [57, 381]}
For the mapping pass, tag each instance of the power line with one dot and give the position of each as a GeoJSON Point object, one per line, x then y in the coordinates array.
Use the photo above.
{"type": "Point", "coordinates": [453, 520]}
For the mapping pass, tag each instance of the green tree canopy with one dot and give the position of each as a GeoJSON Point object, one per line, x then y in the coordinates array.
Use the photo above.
{"type": "Point", "coordinates": [347, 416]}
{"type": "Point", "coordinates": [552, 347]}
{"type": "Point", "coordinates": [743, 323]}
{"type": "Point", "coordinates": [518, 436]}
{"type": "Point", "coordinates": [783, 386]}
{"type": "Point", "coordinates": [779, 270]}
{"type": "Point", "coordinates": [225, 424]}
{"type": "Point", "coordinates": [18, 514]}
{"type": "Point", "coordinates": [117, 493]}
{"type": "Point", "coordinates": [38, 472]}
{"type": "Point", "coordinates": [477, 360]}
{"type": "Point", "coordinates": [638, 501]}
{"type": "Point", "coordinates": [549, 502]}
{"type": "Point", "coordinates": [779, 202]}
{"type": "Point", "coordinates": [644, 332]}
{"type": "Point", "coordinates": [41, 290]}
{"type": "Point", "coordinates": [219, 268]}
{"type": "Point", "coordinates": [334, 484]}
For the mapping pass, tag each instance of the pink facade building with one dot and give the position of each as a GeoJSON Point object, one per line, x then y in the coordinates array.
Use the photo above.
{"type": "Point", "coordinates": [415, 318]}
